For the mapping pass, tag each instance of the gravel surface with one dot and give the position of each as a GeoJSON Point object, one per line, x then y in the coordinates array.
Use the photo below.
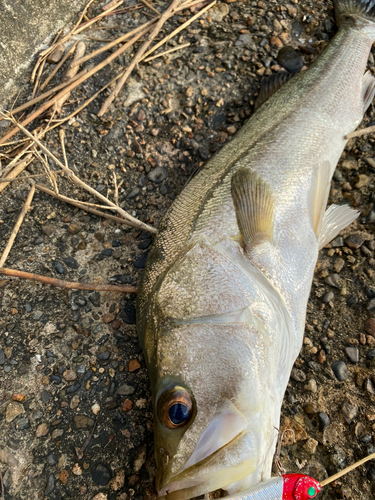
{"type": "Point", "coordinates": [70, 362]}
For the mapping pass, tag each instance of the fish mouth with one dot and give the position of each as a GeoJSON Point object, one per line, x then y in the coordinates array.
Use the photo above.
{"type": "Point", "coordinates": [227, 465]}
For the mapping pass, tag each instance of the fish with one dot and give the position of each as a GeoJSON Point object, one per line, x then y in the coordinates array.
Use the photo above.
{"type": "Point", "coordinates": [222, 302]}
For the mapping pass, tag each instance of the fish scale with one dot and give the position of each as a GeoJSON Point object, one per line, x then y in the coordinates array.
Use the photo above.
{"type": "Point", "coordinates": [222, 302]}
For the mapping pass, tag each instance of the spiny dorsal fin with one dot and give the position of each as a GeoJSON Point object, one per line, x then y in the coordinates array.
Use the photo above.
{"type": "Point", "coordinates": [271, 85]}
{"type": "Point", "coordinates": [335, 219]}
{"type": "Point", "coordinates": [254, 205]}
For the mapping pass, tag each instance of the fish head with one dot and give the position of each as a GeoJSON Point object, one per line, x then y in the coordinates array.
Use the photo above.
{"type": "Point", "coordinates": [216, 402]}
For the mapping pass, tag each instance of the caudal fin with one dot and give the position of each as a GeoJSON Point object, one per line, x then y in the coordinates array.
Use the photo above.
{"type": "Point", "coordinates": [361, 8]}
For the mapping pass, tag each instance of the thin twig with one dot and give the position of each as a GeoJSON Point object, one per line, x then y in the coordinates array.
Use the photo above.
{"type": "Point", "coordinates": [81, 77]}
{"type": "Point", "coordinates": [118, 40]}
{"type": "Point", "coordinates": [63, 60]}
{"type": "Point", "coordinates": [116, 189]}
{"type": "Point", "coordinates": [360, 132]}
{"type": "Point", "coordinates": [163, 18]}
{"type": "Point", "coordinates": [79, 451]}
{"type": "Point", "coordinates": [62, 141]}
{"type": "Point", "coordinates": [178, 47]}
{"type": "Point", "coordinates": [22, 179]}
{"type": "Point", "coordinates": [70, 73]}
{"type": "Point", "coordinates": [50, 175]}
{"type": "Point", "coordinates": [17, 226]}
{"type": "Point", "coordinates": [155, 11]}
{"type": "Point", "coordinates": [37, 81]}
{"type": "Point", "coordinates": [18, 168]}
{"type": "Point", "coordinates": [347, 469]}
{"type": "Point", "coordinates": [82, 206]}
{"type": "Point", "coordinates": [85, 186]}
{"type": "Point", "coordinates": [180, 28]}
{"type": "Point", "coordinates": [67, 284]}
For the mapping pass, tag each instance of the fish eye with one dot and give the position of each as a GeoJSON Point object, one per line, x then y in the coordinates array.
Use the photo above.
{"type": "Point", "coordinates": [175, 408]}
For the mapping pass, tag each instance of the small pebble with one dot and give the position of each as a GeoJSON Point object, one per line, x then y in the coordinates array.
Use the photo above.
{"type": "Point", "coordinates": [69, 375]}
{"type": "Point", "coordinates": [324, 420]}
{"type": "Point", "coordinates": [101, 474]}
{"type": "Point", "coordinates": [157, 175]}
{"type": "Point", "coordinates": [289, 59]}
{"type": "Point", "coordinates": [41, 430]}
{"type": "Point", "coordinates": [95, 409]}
{"type": "Point", "coordinates": [74, 228]}
{"type": "Point", "coordinates": [353, 354]}
{"type": "Point", "coordinates": [348, 411]}
{"type": "Point", "coordinates": [103, 356]}
{"type": "Point", "coordinates": [58, 267]}
{"type": "Point", "coordinates": [340, 370]}
{"type": "Point", "coordinates": [328, 297]}
{"type": "Point", "coordinates": [50, 485]}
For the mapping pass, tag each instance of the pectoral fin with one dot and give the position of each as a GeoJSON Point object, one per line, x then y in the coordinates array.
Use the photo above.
{"type": "Point", "coordinates": [254, 205]}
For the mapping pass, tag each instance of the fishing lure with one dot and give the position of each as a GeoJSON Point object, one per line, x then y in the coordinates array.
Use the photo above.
{"type": "Point", "coordinates": [286, 487]}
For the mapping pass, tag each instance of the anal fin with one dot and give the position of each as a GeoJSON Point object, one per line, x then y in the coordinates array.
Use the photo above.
{"type": "Point", "coordinates": [254, 205]}
{"type": "Point", "coordinates": [335, 219]}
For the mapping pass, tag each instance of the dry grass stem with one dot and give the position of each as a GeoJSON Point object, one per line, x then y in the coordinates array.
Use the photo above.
{"type": "Point", "coordinates": [17, 226]}
{"type": "Point", "coordinates": [27, 177]}
{"type": "Point", "coordinates": [178, 47]}
{"type": "Point", "coordinates": [347, 470]}
{"type": "Point", "coordinates": [116, 189]}
{"type": "Point", "coordinates": [61, 63]}
{"type": "Point", "coordinates": [160, 22]}
{"type": "Point", "coordinates": [51, 175]}
{"type": "Point", "coordinates": [155, 11]}
{"type": "Point", "coordinates": [360, 132]}
{"type": "Point", "coordinates": [62, 141]}
{"type": "Point", "coordinates": [70, 73]}
{"type": "Point", "coordinates": [37, 81]}
{"type": "Point", "coordinates": [118, 40]}
{"type": "Point", "coordinates": [135, 222]}
{"type": "Point", "coordinates": [82, 206]}
{"type": "Point", "coordinates": [18, 168]}
{"type": "Point", "coordinates": [68, 284]}
{"type": "Point", "coordinates": [179, 29]}
{"type": "Point", "coordinates": [77, 80]}
{"type": "Point", "coordinates": [109, 5]}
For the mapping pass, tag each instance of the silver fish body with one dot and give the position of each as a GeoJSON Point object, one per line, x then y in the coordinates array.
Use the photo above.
{"type": "Point", "coordinates": [222, 303]}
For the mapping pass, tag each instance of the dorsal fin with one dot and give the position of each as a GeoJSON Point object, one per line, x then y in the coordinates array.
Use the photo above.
{"type": "Point", "coordinates": [271, 85]}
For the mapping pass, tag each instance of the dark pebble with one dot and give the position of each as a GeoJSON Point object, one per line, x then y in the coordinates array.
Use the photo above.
{"type": "Point", "coordinates": [337, 242]}
{"type": "Point", "coordinates": [103, 339]}
{"type": "Point", "coordinates": [50, 485]}
{"type": "Point", "coordinates": [371, 305]}
{"type": "Point", "coordinates": [353, 354]}
{"type": "Point", "coordinates": [298, 375]}
{"type": "Point", "coordinates": [141, 261]}
{"type": "Point", "coordinates": [71, 262]}
{"type": "Point", "coordinates": [2, 357]}
{"type": "Point", "coordinates": [28, 307]}
{"type": "Point", "coordinates": [324, 420]}
{"type": "Point", "coordinates": [157, 175]}
{"type": "Point", "coordinates": [125, 390]}
{"type": "Point", "coordinates": [144, 244]}
{"type": "Point", "coordinates": [101, 474]}
{"type": "Point", "coordinates": [23, 423]}
{"type": "Point", "coordinates": [94, 298]}
{"type": "Point", "coordinates": [370, 292]}
{"type": "Point", "coordinates": [371, 216]}
{"type": "Point", "coordinates": [218, 121]}
{"type": "Point", "coordinates": [370, 354]}
{"type": "Point", "coordinates": [355, 241]}
{"type": "Point", "coordinates": [348, 411]}
{"type": "Point", "coordinates": [52, 459]}
{"type": "Point", "coordinates": [38, 241]}
{"type": "Point", "coordinates": [45, 397]}
{"type": "Point", "coordinates": [367, 438]}
{"type": "Point", "coordinates": [340, 370]}
{"type": "Point", "coordinates": [289, 59]}
{"type": "Point", "coordinates": [116, 243]}
{"type": "Point", "coordinates": [352, 300]}
{"type": "Point", "coordinates": [129, 314]}
{"type": "Point", "coordinates": [83, 422]}
{"type": "Point", "coordinates": [80, 300]}
{"type": "Point", "coordinates": [334, 280]}
{"type": "Point", "coordinates": [313, 365]}
{"type": "Point", "coordinates": [58, 267]}
{"type": "Point", "coordinates": [107, 252]}
{"type": "Point", "coordinates": [133, 193]}
{"type": "Point", "coordinates": [73, 388]}
{"type": "Point", "coordinates": [55, 378]}
{"type": "Point", "coordinates": [163, 188]}
{"type": "Point", "coordinates": [121, 278]}
{"type": "Point", "coordinates": [103, 356]}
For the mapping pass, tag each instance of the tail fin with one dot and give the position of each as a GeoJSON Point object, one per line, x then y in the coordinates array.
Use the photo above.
{"type": "Point", "coordinates": [361, 8]}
